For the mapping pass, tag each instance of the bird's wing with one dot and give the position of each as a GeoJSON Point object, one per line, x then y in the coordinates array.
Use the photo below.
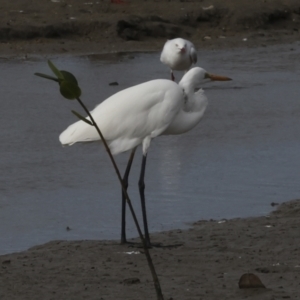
{"type": "Point", "coordinates": [193, 55]}
{"type": "Point", "coordinates": [129, 116]}
{"type": "Point", "coordinates": [131, 110]}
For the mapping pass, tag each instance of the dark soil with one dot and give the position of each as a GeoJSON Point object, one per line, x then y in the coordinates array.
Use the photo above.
{"type": "Point", "coordinates": [209, 264]}
{"type": "Point", "coordinates": [76, 26]}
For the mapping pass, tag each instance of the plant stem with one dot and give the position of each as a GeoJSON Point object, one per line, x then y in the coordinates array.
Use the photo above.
{"type": "Point", "coordinates": [147, 253]}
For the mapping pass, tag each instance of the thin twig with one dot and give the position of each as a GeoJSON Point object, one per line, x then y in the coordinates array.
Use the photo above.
{"type": "Point", "coordinates": [147, 253]}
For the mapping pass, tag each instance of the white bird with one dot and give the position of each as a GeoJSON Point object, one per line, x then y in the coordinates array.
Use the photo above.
{"type": "Point", "coordinates": [138, 114]}
{"type": "Point", "coordinates": [179, 55]}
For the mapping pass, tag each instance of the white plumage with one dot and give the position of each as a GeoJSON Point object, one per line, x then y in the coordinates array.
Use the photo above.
{"type": "Point", "coordinates": [179, 55]}
{"type": "Point", "coordinates": [140, 113]}
{"type": "Point", "coordinates": [130, 117]}
{"type": "Point", "coordinates": [137, 114]}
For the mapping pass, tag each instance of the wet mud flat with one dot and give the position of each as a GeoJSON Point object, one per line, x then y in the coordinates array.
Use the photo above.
{"type": "Point", "coordinates": [208, 265]}
{"type": "Point", "coordinates": [214, 254]}
{"type": "Point", "coordinates": [75, 26]}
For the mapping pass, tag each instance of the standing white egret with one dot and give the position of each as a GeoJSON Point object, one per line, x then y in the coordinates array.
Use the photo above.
{"type": "Point", "coordinates": [179, 55]}
{"type": "Point", "coordinates": [140, 113]}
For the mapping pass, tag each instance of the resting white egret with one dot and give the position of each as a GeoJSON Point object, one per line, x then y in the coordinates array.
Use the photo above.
{"type": "Point", "coordinates": [179, 55]}
{"type": "Point", "coordinates": [138, 114]}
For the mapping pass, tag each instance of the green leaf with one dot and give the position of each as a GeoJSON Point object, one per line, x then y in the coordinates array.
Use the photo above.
{"type": "Point", "coordinates": [69, 77]}
{"type": "Point", "coordinates": [79, 116]}
{"type": "Point", "coordinates": [69, 90]}
{"type": "Point", "coordinates": [55, 70]}
{"type": "Point", "coordinates": [46, 76]}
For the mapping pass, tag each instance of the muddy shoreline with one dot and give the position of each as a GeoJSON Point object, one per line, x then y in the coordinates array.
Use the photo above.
{"type": "Point", "coordinates": [76, 27]}
{"type": "Point", "coordinates": [208, 265]}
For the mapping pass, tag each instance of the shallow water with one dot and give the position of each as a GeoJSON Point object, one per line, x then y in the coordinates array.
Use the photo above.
{"type": "Point", "coordinates": [241, 157]}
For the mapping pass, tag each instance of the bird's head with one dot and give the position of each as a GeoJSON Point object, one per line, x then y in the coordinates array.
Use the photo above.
{"type": "Point", "coordinates": [196, 77]}
{"type": "Point", "coordinates": [180, 45]}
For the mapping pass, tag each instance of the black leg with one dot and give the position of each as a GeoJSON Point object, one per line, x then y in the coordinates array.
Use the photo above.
{"type": "Point", "coordinates": [125, 182]}
{"type": "Point", "coordinates": [144, 213]}
{"type": "Point", "coordinates": [142, 195]}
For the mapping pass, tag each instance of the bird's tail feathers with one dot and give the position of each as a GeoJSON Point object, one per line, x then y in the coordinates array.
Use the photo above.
{"type": "Point", "coordinates": [79, 132]}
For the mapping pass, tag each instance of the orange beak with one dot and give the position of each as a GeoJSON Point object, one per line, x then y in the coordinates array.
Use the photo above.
{"type": "Point", "coordinates": [214, 77]}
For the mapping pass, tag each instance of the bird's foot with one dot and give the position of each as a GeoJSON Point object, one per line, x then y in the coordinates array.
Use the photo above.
{"type": "Point", "coordinates": [160, 245]}
{"type": "Point", "coordinates": [131, 244]}
{"type": "Point", "coordinates": [150, 245]}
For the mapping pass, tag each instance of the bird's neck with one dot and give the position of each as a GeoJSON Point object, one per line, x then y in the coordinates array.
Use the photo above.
{"type": "Point", "coordinates": [190, 103]}
{"type": "Point", "coordinates": [187, 86]}
{"type": "Point", "coordinates": [190, 114]}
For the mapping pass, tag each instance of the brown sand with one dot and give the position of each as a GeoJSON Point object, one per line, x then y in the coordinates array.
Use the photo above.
{"type": "Point", "coordinates": [214, 254]}
{"type": "Point", "coordinates": [77, 26]}
{"type": "Point", "coordinates": [208, 265]}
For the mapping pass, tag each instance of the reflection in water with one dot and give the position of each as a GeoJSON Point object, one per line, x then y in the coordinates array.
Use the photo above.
{"type": "Point", "coordinates": [240, 158]}
{"type": "Point", "coordinates": [169, 169]}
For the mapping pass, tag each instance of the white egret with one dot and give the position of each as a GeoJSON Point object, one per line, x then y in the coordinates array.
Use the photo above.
{"type": "Point", "coordinates": [179, 55]}
{"type": "Point", "coordinates": [138, 114]}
